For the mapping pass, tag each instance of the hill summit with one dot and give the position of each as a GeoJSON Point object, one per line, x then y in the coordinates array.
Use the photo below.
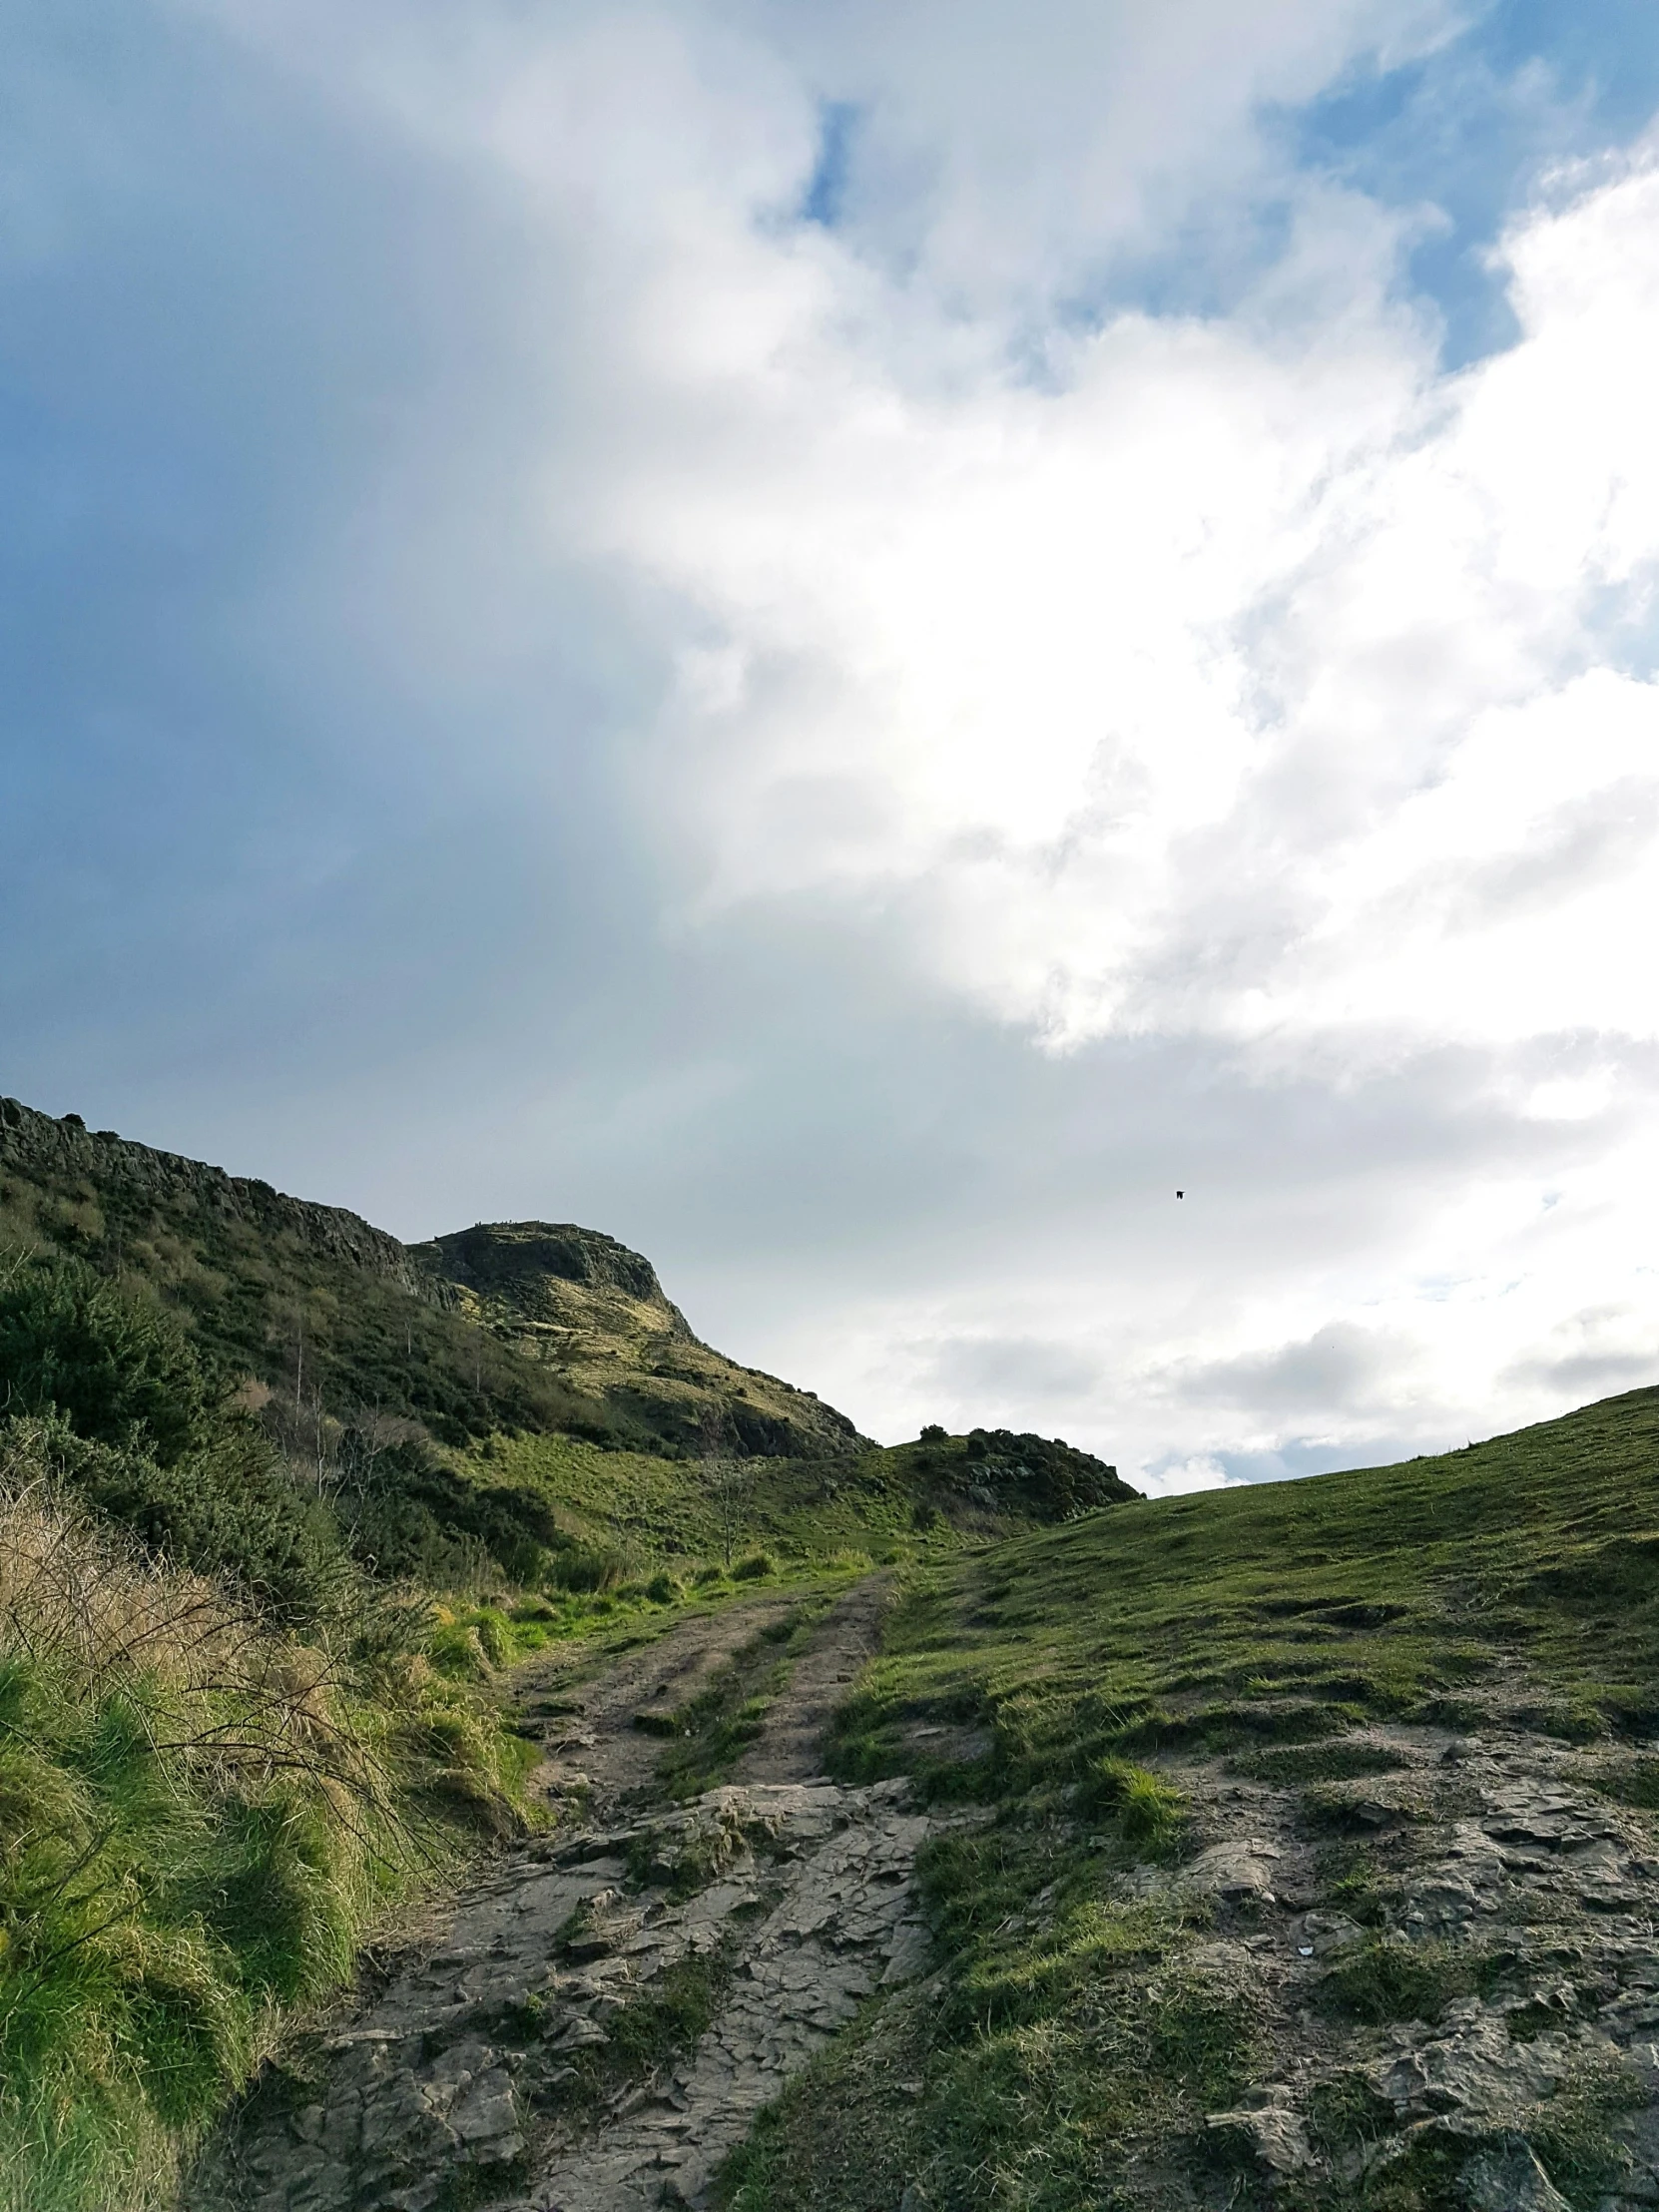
{"type": "Point", "coordinates": [593, 1312]}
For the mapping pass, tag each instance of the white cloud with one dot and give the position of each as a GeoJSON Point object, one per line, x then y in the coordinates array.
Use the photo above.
{"type": "Point", "coordinates": [1236, 679]}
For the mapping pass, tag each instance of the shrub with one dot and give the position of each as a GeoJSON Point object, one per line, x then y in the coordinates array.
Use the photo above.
{"type": "Point", "coordinates": [227, 1506]}
{"type": "Point", "coordinates": [755, 1567]}
{"type": "Point", "coordinates": [116, 1368]}
{"type": "Point", "coordinates": [588, 1570]}
{"type": "Point", "coordinates": [409, 1514]}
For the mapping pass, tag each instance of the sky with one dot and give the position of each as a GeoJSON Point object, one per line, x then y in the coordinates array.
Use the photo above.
{"type": "Point", "coordinates": [853, 642]}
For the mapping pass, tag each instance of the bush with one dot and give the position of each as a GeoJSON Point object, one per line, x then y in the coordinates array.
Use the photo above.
{"type": "Point", "coordinates": [119, 1369]}
{"type": "Point", "coordinates": [227, 1506]}
{"type": "Point", "coordinates": [409, 1515]}
{"type": "Point", "coordinates": [755, 1567]}
{"type": "Point", "coordinates": [588, 1570]}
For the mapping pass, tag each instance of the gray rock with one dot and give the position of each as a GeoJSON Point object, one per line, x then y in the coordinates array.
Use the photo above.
{"type": "Point", "coordinates": [1508, 2178]}
{"type": "Point", "coordinates": [1234, 1869]}
{"type": "Point", "coordinates": [1272, 2132]}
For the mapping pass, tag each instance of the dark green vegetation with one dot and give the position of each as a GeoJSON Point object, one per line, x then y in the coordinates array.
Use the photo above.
{"type": "Point", "coordinates": [125, 1415]}
{"type": "Point", "coordinates": [997, 1473]}
{"type": "Point", "coordinates": [1076, 2039]}
{"type": "Point", "coordinates": [309, 1301]}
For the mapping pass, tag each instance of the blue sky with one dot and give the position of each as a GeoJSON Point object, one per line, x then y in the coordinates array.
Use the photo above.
{"type": "Point", "coordinates": [848, 642]}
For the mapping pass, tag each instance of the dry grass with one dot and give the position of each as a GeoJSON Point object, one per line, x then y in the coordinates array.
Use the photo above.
{"type": "Point", "coordinates": [217, 1690]}
{"type": "Point", "coordinates": [199, 1818]}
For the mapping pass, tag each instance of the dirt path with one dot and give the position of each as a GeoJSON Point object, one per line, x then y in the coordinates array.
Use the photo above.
{"type": "Point", "coordinates": [595, 2024]}
{"type": "Point", "coordinates": [789, 1748]}
{"type": "Point", "coordinates": [587, 1718]}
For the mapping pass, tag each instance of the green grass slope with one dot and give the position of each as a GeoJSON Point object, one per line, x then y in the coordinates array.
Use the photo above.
{"type": "Point", "coordinates": [311, 1303]}
{"type": "Point", "coordinates": [887, 1501]}
{"type": "Point", "coordinates": [594, 1313]}
{"type": "Point", "coordinates": [1068, 2039]}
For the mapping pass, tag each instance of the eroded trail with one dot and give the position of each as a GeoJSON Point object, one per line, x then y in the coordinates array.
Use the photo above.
{"type": "Point", "coordinates": [596, 2023]}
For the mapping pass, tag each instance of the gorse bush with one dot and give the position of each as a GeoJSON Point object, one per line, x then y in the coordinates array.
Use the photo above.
{"type": "Point", "coordinates": [226, 1506]}
{"type": "Point", "coordinates": [118, 1368]}
{"type": "Point", "coordinates": [105, 1393]}
{"type": "Point", "coordinates": [198, 1815]}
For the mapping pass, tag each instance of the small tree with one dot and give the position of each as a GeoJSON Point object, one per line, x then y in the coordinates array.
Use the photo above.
{"type": "Point", "coordinates": [728, 1480]}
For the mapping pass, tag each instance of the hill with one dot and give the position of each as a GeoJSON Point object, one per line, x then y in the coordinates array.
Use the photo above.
{"type": "Point", "coordinates": [1323, 1861]}
{"type": "Point", "coordinates": [593, 1312]}
{"type": "Point", "coordinates": [516, 1328]}
{"type": "Point", "coordinates": [513, 1402]}
{"type": "Point", "coordinates": [364, 1479]}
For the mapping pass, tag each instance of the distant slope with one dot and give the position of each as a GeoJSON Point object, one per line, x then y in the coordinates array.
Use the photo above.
{"type": "Point", "coordinates": [545, 1331]}
{"type": "Point", "coordinates": [594, 1314]}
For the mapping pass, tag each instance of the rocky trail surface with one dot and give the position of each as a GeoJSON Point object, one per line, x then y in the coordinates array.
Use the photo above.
{"type": "Point", "coordinates": [1452, 1959]}
{"type": "Point", "coordinates": [596, 2023]}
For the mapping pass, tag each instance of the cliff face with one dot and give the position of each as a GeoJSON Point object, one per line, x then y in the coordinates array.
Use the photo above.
{"type": "Point", "coordinates": [81, 1170]}
{"type": "Point", "coordinates": [532, 1268]}
{"type": "Point", "coordinates": [519, 1325]}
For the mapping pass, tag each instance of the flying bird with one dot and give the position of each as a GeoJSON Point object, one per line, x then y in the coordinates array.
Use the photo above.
{"type": "Point", "coordinates": [1180, 1194]}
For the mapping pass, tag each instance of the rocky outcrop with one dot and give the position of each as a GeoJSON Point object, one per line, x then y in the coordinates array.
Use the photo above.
{"type": "Point", "coordinates": [63, 1159]}
{"type": "Point", "coordinates": [595, 1313]}
{"type": "Point", "coordinates": [1456, 1971]}
{"type": "Point", "coordinates": [496, 2066]}
{"type": "Point", "coordinates": [529, 1267]}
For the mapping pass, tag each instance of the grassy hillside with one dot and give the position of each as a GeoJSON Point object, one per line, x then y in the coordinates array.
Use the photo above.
{"type": "Point", "coordinates": [327, 1315]}
{"type": "Point", "coordinates": [517, 1327]}
{"type": "Point", "coordinates": [518, 1403]}
{"type": "Point", "coordinates": [1087, 1681]}
{"type": "Point", "coordinates": [890, 1501]}
{"type": "Point", "coordinates": [1533, 1557]}
{"type": "Point", "coordinates": [594, 1313]}
{"type": "Point", "coordinates": [200, 1817]}
{"type": "Point", "coordinates": [249, 1629]}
